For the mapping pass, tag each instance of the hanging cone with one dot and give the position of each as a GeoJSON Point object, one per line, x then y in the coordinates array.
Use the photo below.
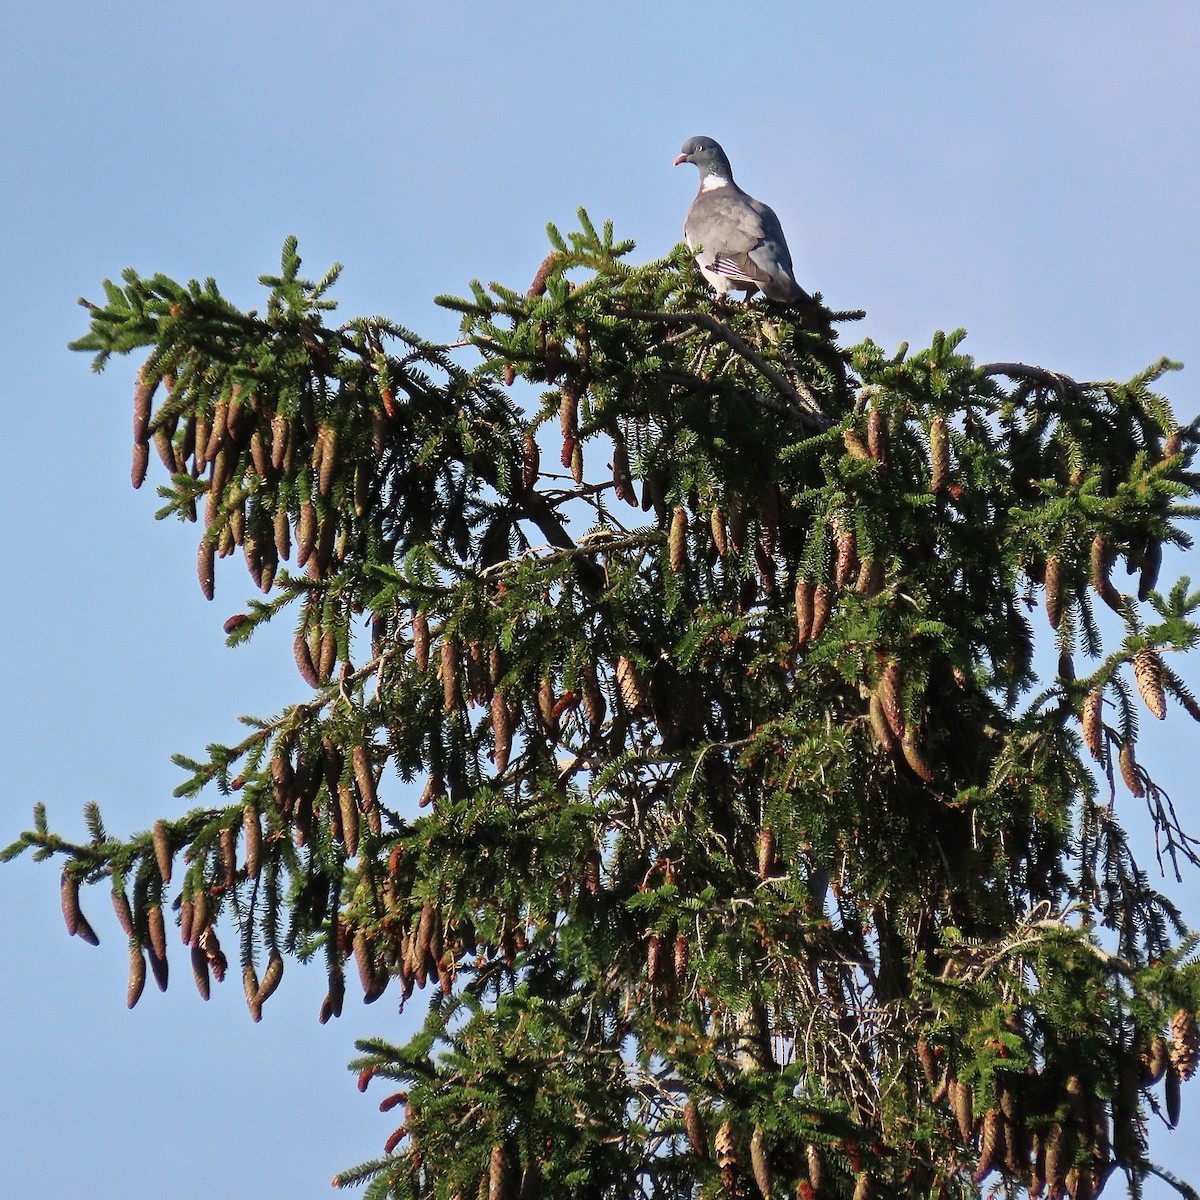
{"type": "Point", "coordinates": [877, 437]}
{"type": "Point", "coordinates": [677, 539]}
{"type": "Point", "coordinates": [693, 1123]}
{"type": "Point", "coordinates": [891, 690]}
{"type": "Point", "coordinates": [1147, 672]}
{"type": "Point", "coordinates": [1054, 590]}
{"type": "Point", "coordinates": [1129, 770]}
{"type": "Point", "coordinates": [804, 609]}
{"type": "Point", "coordinates": [1093, 724]}
{"type": "Point", "coordinates": [939, 455]}
{"type": "Point", "coordinates": [1102, 573]}
{"type": "Point", "coordinates": [1185, 1044]}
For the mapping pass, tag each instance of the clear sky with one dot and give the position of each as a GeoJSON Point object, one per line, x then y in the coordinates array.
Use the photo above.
{"type": "Point", "coordinates": [1027, 170]}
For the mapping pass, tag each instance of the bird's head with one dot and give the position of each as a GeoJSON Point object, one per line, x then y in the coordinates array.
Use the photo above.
{"type": "Point", "coordinates": [707, 155]}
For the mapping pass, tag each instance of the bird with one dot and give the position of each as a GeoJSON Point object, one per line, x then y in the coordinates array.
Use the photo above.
{"type": "Point", "coordinates": [738, 240]}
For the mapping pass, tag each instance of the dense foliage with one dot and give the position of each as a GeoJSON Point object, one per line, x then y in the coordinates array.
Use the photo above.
{"type": "Point", "coordinates": [710, 781]}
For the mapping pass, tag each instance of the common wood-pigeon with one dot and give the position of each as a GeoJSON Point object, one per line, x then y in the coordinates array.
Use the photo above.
{"type": "Point", "coordinates": [738, 240]}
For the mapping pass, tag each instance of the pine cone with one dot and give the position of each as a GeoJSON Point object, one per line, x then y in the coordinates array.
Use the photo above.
{"type": "Point", "coordinates": [870, 578]}
{"type": "Point", "coordinates": [989, 1142]}
{"type": "Point", "coordinates": [259, 457]}
{"type": "Point", "coordinates": [727, 1157]}
{"type": "Point", "coordinates": [322, 558]}
{"type": "Point", "coordinates": [187, 922]}
{"type": "Point", "coordinates": [162, 850]}
{"type": "Point", "coordinates": [497, 1171]}
{"type": "Point", "coordinates": [1057, 1159]}
{"type": "Point", "coordinates": [813, 1155]}
{"type": "Point", "coordinates": [693, 1123]}
{"type": "Point", "coordinates": [283, 533]}
{"type": "Point", "coordinates": [1093, 724]}
{"type": "Point", "coordinates": [1147, 672]}
{"type": "Point", "coordinates": [120, 903]}
{"type": "Point", "coordinates": [502, 730]}
{"type": "Point", "coordinates": [855, 446]}
{"type": "Point", "coordinates": [531, 461]}
{"type": "Point", "coordinates": [156, 929]}
{"type": "Point", "coordinates": [766, 852]}
{"type": "Point", "coordinates": [1185, 1044]}
{"type": "Point", "coordinates": [846, 566]}
{"type": "Point", "coordinates": [253, 835]}
{"type": "Point", "coordinates": [759, 1162]}
{"type": "Point", "coordinates": [364, 776]}
{"type": "Point", "coordinates": [1102, 573]}
{"type": "Point", "coordinates": [452, 697]}
{"type": "Point", "coordinates": [822, 605]}
{"type": "Point", "coordinates": [364, 959]}
{"type": "Point", "coordinates": [140, 464]}
{"type": "Point", "coordinates": [68, 889]}
{"type": "Point", "coordinates": [325, 452]}
{"type": "Point", "coordinates": [158, 968]}
{"type": "Point", "coordinates": [200, 972]}
{"type": "Point", "coordinates": [891, 689]}
{"type": "Point", "coordinates": [720, 531]}
{"type": "Point", "coordinates": [271, 978]}
{"type": "Point", "coordinates": [568, 410]}
{"type": "Point", "coordinates": [804, 609]}
{"type": "Point", "coordinates": [305, 665]}
{"type": "Point", "coordinates": [226, 841]}
{"type": "Point", "coordinates": [939, 455]}
{"type": "Point", "coordinates": [677, 539]}
{"type": "Point", "coordinates": [629, 683]}
{"type": "Point", "coordinates": [420, 640]}
{"type": "Point", "coordinates": [347, 808]}
{"type": "Point", "coordinates": [306, 533]}
{"type": "Point", "coordinates": [1054, 590]}
{"type": "Point", "coordinates": [137, 976]}
{"type": "Point", "coordinates": [915, 757]}
{"type": "Point", "coordinates": [1172, 1098]}
{"type": "Point", "coordinates": [166, 450]}
{"type": "Point", "coordinates": [962, 1100]}
{"type": "Point", "coordinates": [877, 436]}
{"type": "Point", "coordinates": [654, 957]}
{"type": "Point", "coordinates": [143, 396]}
{"type": "Point", "coordinates": [1155, 1060]}
{"type": "Point", "coordinates": [683, 950]}
{"type": "Point", "coordinates": [331, 1006]}
{"type": "Point", "coordinates": [622, 476]}
{"type": "Point", "coordinates": [927, 1057]}
{"type": "Point", "coordinates": [884, 738]}
{"type": "Point", "coordinates": [1129, 770]}
{"type": "Point", "coordinates": [206, 554]}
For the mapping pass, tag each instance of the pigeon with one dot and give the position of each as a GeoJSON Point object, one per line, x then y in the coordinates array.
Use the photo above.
{"type": "Point", "coordinates": [738, 240]}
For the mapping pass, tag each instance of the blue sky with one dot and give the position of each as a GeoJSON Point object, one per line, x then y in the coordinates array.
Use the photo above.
{"type": "Point", "coordinates": [1027, 170]}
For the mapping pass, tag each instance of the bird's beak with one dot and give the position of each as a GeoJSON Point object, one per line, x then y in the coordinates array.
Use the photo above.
{"type": "Point", "coordinates": [681, 159]}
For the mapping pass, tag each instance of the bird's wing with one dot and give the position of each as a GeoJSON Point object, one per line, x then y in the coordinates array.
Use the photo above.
{"type": "Point", "coordinates": [725, 221]}
{"type": "Point", "coordinates": [741, 238]}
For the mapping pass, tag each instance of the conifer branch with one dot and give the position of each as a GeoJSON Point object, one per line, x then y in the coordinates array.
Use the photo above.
{"type": "Point", "coordinates": [806, 405]}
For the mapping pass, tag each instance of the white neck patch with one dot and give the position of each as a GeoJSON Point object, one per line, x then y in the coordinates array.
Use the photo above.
{"type": "Point", "coordinates": [710, 183]}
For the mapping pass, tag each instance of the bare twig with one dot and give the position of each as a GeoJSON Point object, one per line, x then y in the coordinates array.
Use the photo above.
{"type": "Point", "coordinates": [1064, 385]}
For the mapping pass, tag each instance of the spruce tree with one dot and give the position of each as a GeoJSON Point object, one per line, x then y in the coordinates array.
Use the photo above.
{"type": "Point", "coordinates": [738, 787]}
